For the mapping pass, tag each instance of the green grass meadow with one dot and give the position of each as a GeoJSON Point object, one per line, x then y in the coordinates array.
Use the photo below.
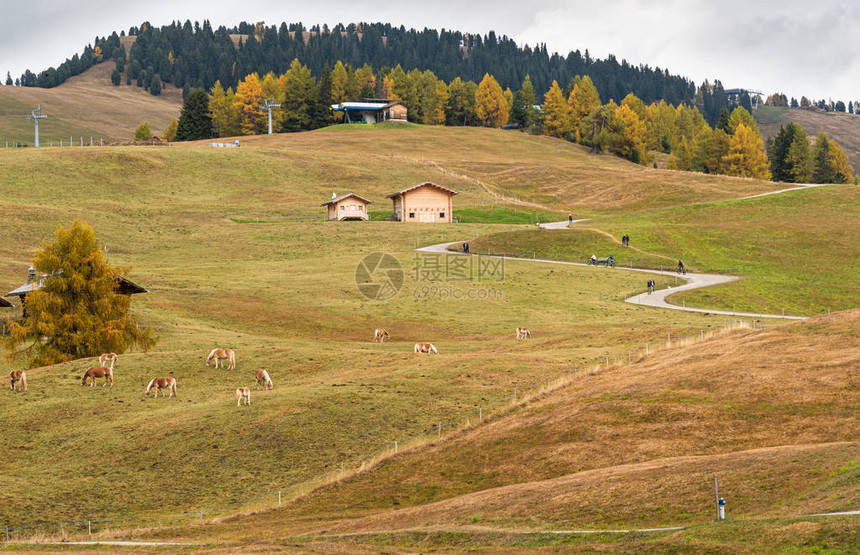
{"type": "Point", "coordinates": [234, 252]}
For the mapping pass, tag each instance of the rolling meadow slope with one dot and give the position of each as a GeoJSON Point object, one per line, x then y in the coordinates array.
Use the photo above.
{"type": "Point", "coordinates": [86, 105]}
{"type": "Point", "coordinates": [232, 247]}
{"type": "Point", "coordinates": [631, 446]}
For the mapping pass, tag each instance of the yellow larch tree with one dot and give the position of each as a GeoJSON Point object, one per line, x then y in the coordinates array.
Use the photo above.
{"type": "Point", "coordinates": [746, 157]}
{"type": "Point", "coordinates": [490, 103]}
{"type": "Point", "coordinates": [249, 94]}
{"type": "Point", "coordinates": [556, 112]}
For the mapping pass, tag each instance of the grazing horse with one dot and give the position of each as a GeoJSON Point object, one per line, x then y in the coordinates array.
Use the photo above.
{"type": "Point", "coordinates": [381, 335]}
{"type": "Point", "coordinates": [18, 380]}
{"type": "Point", "coordinates": [264, 379]}
{"type": "Point", "coordinates": [523, 333]}
{"type": "Point", "coordinates": [220, 355]}
{"type": "Point", "coordinates": [243, 394]}
{"type": "Point", "coordinates": [108, 357]}
{"type": "Point", "coordinates": [425, 348]}
{"type": "Point", "coordinates": [162, 383]}
{"type": "Point", "coordinates": [94, 372]}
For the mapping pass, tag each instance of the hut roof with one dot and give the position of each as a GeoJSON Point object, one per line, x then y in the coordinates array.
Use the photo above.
{"type": "Point", "coordinates": [124, 286]}
{"type": "Point", "coordinates": [347, 195]}
{"type": "Point", "coordinates": [367, 106]}
{"type": "Point", "coordinates": [406, 190]}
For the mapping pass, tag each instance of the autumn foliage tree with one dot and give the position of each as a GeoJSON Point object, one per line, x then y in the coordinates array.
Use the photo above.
{"type": "Point", "coordinates": [556, 112]}
{"type": "Point", "coordinates": [746, 157]}
{"type": "Point", "coordinates": [77, 312]}
{"type": "Point", "coordinates": [490, 103]}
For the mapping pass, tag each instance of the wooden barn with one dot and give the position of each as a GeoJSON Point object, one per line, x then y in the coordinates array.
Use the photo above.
{"type": "Point", "coordinates": [424, 203]}
{"type": "Point", "coordinates": [347, 207]}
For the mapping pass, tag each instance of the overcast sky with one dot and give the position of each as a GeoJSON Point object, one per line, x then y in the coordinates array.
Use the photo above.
{"type": "Point", "coordinates": [797, 47]}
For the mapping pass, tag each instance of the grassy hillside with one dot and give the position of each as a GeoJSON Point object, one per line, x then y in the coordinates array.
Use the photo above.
{"type": "Point", "coordinates": [283, 294]}
{"type": "Point", "coordinates": [845, 128]}
{"type": "Point", "coordinates": [85, 105]}
{"type": "Point", "coordinates": [632, 446]}
{"type": "Point", "coordinates": [796, 251]}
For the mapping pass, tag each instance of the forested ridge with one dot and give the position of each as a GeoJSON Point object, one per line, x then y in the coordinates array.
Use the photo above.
{"type": "Point", "coordinates": [188, 56]}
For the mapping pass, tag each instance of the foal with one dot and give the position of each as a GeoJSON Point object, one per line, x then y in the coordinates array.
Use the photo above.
{"type": "Point", "coordinates": [18, 380]}
{"type": "Point", "coordinates": [243, 394]}
{"type": "Point", "coordinates": [380, 335]}
{"type": "Point", "coordinates": [523, 333]}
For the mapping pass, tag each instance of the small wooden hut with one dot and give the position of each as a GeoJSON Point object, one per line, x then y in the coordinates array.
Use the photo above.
{"type": "Point", "coordinates": [348, 207]}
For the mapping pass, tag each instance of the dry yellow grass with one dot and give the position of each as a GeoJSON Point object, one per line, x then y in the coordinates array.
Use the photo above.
{"type": "Point", "coordinates": [773, 412]}
{"type": "Point", "coordinates": [87, 103]}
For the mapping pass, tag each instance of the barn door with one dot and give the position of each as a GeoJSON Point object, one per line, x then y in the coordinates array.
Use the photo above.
{"type": "Point", "coordinates": [427, 217]}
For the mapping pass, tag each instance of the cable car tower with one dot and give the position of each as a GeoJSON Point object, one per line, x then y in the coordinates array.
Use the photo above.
{"type": "Point", "coordinates": [269, 104]}
{"type": "Point", "coordinates": [35, 116]}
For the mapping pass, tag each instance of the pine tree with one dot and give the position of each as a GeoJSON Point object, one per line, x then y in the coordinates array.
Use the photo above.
{"type": "Point", "coordinates": [77, 313]}
{"type": "Point", "coordinates": [155, 85]}
{"type": "Point", "coordinates": [9, 81]}
{"type": "Point", "coordinates": [518, 114]}
{"type": "Point", "coordinates": [115, 78]}
{"type": "Point", "coordinates": [299, 97]}
{"type": "Point", "coordinates": [195, 121]}
{"type": "Point", "coordinates": [556, 112]}
{"type": "Point", "coordinates": [822, 171]}
{"type": "Point", "coordinates": [798, 160]}
{"type": "Point", "coordinates": [321, 114]}
{"type": "Point", "coordinates": [142, 132]}
{"type": "Point", "coordinates": [490, 103]}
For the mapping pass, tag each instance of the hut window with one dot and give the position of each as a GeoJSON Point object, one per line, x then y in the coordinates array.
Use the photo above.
{"type": "Point", "coordinates": [441, 214]}
{"type": "Point", "coordinates": [361, 208]}
{"type": "Point", "coordinates": [342, 207]}
{"type": "Point", "coordinates": [412, 215]}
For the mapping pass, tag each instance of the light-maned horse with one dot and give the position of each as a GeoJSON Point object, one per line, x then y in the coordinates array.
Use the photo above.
{"type": "Point", "coordinates": [523, 333]}
{"type": "Point", "coordinates": [220, 355]}
{"type": "Point", "coordinates": [94, 372]}
{"type": "Point", "coordinates": [380, 335]}
{"type": "Point", "coordinates": [158, 384]}
{"type": "Point", "coordinates": [264, 379]}
{"type": "Point", "coordinates": [425, 348]}
{"type": "Point", "coordinates": [243, 394]}
{"type": "Point", "coordinates": [108, 357]}
{"type": "Point", "coordinates": [18, 380]}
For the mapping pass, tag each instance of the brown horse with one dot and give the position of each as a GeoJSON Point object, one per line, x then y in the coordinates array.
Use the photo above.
{"type": "Point", "coordinates": [220, 355]}
{"type": "Point", "coordinates": [94, 372]}
{"type": "Point", "coordinates": [380, 335]}
{"type": "Point", "coordinates": [18, 379]}
{"type": "Point", "coordinates": [243, 394]}
{"type": "Point", "coordinates": [425, 348]}
{"type": "Point", "coordinates": [264, 379]}
{"type": "Point", "coordinates": [161, 383]}
{"type": "Point", "coordinates": [108, 357]}
{"type": "Point", "coordinates": [523, 333]}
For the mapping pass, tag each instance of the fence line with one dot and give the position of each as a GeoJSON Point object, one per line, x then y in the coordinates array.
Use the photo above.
{"type": "Point", "coordinates": [521, 395]}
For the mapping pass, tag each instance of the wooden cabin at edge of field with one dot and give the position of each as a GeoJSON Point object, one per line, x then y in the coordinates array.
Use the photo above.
{"type": "Point", "coordinates": [424, 203]}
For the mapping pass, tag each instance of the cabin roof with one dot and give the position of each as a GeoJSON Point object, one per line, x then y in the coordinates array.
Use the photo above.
{"type": "Point", "coordinates": [367, 106]}
{"type": "Point", "coordinates": [124, 286]}
{"type": "Point", "coordinates": [347, 195]}
{"type": "Point", "coordinates": [406, 190]}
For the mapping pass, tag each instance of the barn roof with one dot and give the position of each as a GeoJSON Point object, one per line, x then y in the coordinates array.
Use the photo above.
{"type": "Point", "coordinates": [347, 195]}
{"type": "Point", "coordinates": [124, 286]}
{"type": "Point", "coordinates": [406, 190]}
